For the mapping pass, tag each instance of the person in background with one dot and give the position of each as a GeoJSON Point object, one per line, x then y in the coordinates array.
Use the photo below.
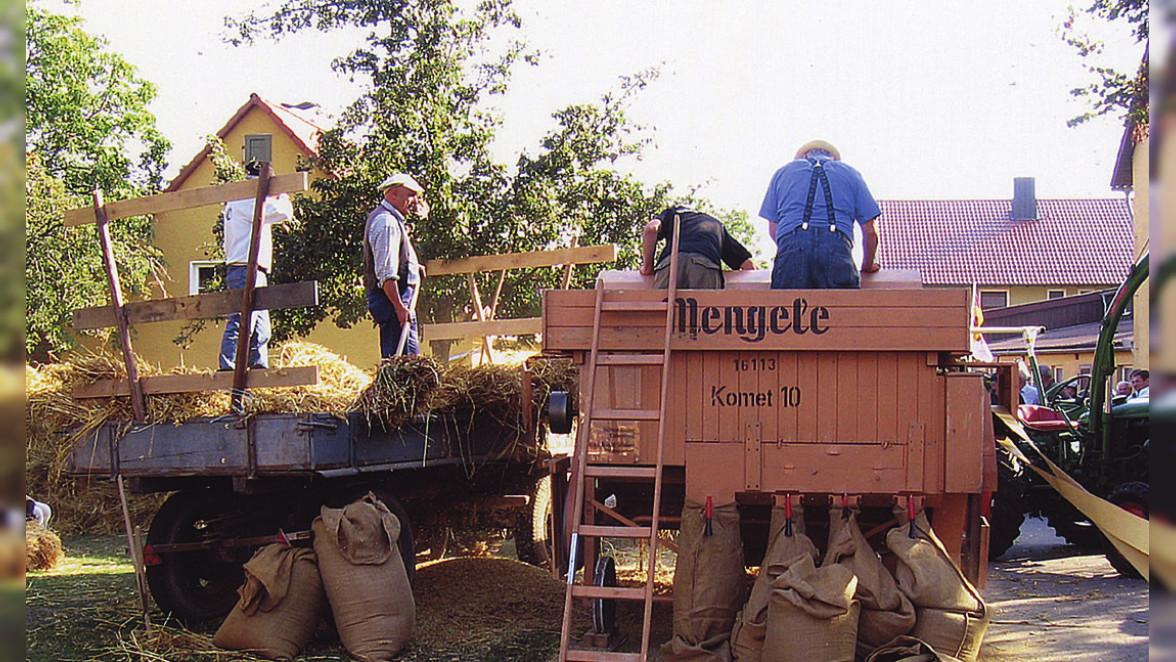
{"type": "Point", "coordinates": [1029, 390]}
{"type": "Point", "coordinates": [391, 270]}
{"type": "Point", "coordinates": [1141, 382]}
{"type": "Point", "coordinates": [1123, 389]}
{"type": "Point", "coordinates": [811, 206]}
{"type": "Point", "coordinates": [238, 217]}
{"type": "Point", "coordinates": [704, 244]}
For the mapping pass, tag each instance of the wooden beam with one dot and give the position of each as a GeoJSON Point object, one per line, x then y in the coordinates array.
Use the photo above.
{"type": "Point", "coordinates": [245, 321]}
{"type": "Point", "coordinates": [210, 304]}
{"type": "Point", "coordinates": [215, 381]}
{"type": "Point", "coordinates": [116, 304]}
{"type": "Point", "coordinates": [460, 330]}
{"type": "Point", "coordinates": [197, 197]}
{"type": "Point", "coordinates": [580, 255]}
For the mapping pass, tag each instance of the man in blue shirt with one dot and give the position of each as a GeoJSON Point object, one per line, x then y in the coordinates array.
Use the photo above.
{"type": "Point", "coordinates": [813, 245]}
{"type": "Point", "coordinates": [391, 270]}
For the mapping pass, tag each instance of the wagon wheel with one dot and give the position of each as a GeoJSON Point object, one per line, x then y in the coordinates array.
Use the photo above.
{"type": "Point", "coordinates": [198, 585]}
{"type": "Point", "coordinates": [533, 531]}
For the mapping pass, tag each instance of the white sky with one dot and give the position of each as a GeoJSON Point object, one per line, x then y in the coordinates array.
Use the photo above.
{"type": "Point", "coordinates": [927, 100]}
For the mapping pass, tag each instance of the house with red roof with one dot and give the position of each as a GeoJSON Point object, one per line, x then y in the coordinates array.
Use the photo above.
{"type": "Point", "coordinates": [286, 136]}
{"type": "Point", "coordinates": [1014, 251]}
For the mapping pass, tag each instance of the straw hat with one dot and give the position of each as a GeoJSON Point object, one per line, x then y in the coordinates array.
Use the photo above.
{"type": "Point", "coordinates": [401, 179]}
{"type": "Point", "coordinates": [821, 145]}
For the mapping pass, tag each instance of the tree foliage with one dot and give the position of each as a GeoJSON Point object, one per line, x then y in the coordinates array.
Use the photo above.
{"type": "Point", "coordinates": [87, 128]}
{"type": "Point", "coordinates": [86, 110]}
{"type": "Point", "coordinates": [428, 71]}
{"type": "Point", "coordinates": [1111, 90]}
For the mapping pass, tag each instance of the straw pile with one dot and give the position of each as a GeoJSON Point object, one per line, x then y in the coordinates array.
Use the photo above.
{"type": "Point", "coordinates": [43, 549]}
{"type": "Point", "coordinates": [403, 387]}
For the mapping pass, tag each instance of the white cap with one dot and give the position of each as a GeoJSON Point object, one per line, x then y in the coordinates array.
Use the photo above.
{"type": "Point", "coordinates": [401, 179]}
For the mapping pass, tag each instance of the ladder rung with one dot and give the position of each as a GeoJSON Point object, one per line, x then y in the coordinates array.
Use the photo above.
{"type": "Point", "coordinates": [633, 306]}
{"type": "Point", "coordinates": [581, 655]}
{"type": "Point", "coordinates": [630, 359]}
{"type": "Point", "coordinates": [626, 415]}
{"type": "Point", "coordinates": [619, 471]}
{"type": "Point", "coordinates": [593, 531]}
{"type": "Point", "coordinates": [608, 592]}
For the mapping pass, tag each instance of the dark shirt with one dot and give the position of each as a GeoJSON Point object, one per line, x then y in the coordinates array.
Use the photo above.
{"type": "Point", "coordinates": [702, 234]}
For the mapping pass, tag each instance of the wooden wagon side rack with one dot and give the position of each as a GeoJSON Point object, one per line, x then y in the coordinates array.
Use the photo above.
{"type": "Point", "coordinates": [773, 394]}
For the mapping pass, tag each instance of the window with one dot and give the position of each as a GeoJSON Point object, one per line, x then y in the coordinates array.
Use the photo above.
{"type": "Point", "coordinates": [259, 147]}
{"type": "Point", "coordinates": [1084, 369]}
{"type": "Point", "coordinates": [990, 299]}
{"type": "Point", "coordinates": [1056, 294]}
{"type": "Point", "coordinates": [204, 276]}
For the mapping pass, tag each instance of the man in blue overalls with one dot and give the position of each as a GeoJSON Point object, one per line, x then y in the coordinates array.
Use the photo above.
{"type": "Point", "coordinates": [814, 233]}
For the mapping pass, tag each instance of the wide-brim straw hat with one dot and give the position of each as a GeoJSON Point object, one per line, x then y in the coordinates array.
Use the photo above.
{"type": "Point", "coordinates": [822, 145]}
{"type": "Point", "coordinates": [401, 179]}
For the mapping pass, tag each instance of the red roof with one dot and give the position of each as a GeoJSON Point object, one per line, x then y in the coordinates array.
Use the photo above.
{"type": "Point", "coordinates": [303, 131]}
{"type": "Point", "coordinates": [961, 242]}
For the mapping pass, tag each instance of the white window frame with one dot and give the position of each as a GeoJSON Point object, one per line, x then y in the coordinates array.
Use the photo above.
{"type": "Point", "coordinates": [1004, 292]}
{"type": "Point", "coordinates": [194, 268]}
{"type": "Point", "coordinates": [1049, 294]}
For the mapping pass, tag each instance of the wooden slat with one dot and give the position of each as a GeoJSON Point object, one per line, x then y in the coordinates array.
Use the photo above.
{"type": "Point", "coordinates": [608, 592]}
{"type": "Point", "coordinates": [511, 327]}
{"type": "Point", "coordinates": [197, 197]}
{"type": "Point", "coordinates": [478, 264]}
{"type": "Point", "coordinates": [581, 655]}
{"type": "Point", "coordinates": [619, 471]}
{"type": "Point", "coordinates": [923, 298]}
{"type": "Point", "coordinates": [629, 359]}
{"type": "Point", "coordinates": [625, 414]}
{"type": "Point", "coordinates": [211, 304]}
{"type": "Point", "coordinates": [871, 339]}
{"type": "Point", "coordinates": [615, 531]}
{"type": "Point", "coordinates": [216, 381]}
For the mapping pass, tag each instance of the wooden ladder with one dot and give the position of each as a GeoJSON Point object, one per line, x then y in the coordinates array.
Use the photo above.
{"type": "Point", "coordinates": [582, 471]}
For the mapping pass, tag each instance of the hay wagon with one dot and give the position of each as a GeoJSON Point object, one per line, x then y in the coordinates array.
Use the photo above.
{"type": "Point", "coordinates": [239, 483]}
{"type": "Point", "coordinates": [762, 397]}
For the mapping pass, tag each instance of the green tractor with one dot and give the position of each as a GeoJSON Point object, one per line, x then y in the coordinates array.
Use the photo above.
{"type": "Point", "coordinates": [1100, 439]}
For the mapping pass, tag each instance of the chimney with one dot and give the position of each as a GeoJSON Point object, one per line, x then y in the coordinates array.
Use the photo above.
{"type": "Point", "coordinates": [1024, 199]}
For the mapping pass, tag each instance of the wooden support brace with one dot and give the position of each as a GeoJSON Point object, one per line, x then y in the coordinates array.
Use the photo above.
{"type": "Point", "coordinates": [245, 326]}
{"type": "Point", "coordinates": [210, 304]}
{"type": "Point", "coordinates": [116, 302]}
{"type": "Point", "coordinates": [194, 383]}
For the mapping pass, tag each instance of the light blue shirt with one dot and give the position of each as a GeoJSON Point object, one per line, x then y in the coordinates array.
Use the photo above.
{"type": "Point", "coordinates": [785, 200]}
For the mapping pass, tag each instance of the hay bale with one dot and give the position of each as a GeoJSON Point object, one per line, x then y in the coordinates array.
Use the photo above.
{"type": "Point", "coordinates": [43, 550]}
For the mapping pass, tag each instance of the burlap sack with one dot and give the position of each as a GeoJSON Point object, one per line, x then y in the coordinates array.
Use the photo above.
{"type": "Point", "coordinates": [908, 649]}
{"type": "Point", "coordinates": [747, 637]}
{"type": "Point", "coordinates": [812, 616]}
{"type": "Point", "coordinates": [709, 585]}
{"type": "Point", "coordinates": [886, 612]}
{"type": "Point", "coordinates": [282, 602]}
{"type": "Point", "coordinates": [364, 578]}
{"type": "Point", "coordinates": [950, 615]}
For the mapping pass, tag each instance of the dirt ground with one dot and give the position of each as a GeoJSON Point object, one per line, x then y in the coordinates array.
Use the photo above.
{"type": "Point", "coordinates": [1055, 603]}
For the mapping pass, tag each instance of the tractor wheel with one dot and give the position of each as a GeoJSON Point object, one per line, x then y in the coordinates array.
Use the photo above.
{"type": "Point", "coordinates": [1131, 497]}
{"type": "Point", "coordinates": [1008, 511]}
{"type": "Point", "coordinates": [200, 585]}
{"type": "Point", "coordinates": [533, 531]}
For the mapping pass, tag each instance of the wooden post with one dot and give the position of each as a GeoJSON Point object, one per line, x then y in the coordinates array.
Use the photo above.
{"type": "Point", "coordinates": [135, 549]}
{"type": "Point", "coordinates": [245, 328]}
{"type": "Point", "coordinates": [486, 349]}
{"type": "Point", "coordinates": [567, 277]}
{"type": "Point", "coordinates": [116, 301]}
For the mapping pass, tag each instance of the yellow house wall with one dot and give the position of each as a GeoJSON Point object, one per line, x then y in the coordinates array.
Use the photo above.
{"type": "Point", "coordinates": [185, 236]}
{"type": "Point", "coordinates": [1141, 178]}
{"type": "Point", "coordinates": [1071, 363]}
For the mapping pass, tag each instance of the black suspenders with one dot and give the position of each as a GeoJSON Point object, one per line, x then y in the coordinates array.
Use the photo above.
{"type": "Point", "coordinates": [818, 173]}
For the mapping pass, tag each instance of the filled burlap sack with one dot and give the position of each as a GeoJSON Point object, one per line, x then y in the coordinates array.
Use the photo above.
{"type": "Point", "coordinates": [812, 614]}
{"type": "Point", "coordinates": [908, 649]}
{"type": "Point", "coordinates": [364, 578]}
{"type": "Point", "coordinates": [747, 636]}
{"type": "Point", "coordinates": [709, 585]}
{"type": "Point", "coordinates": [886, 611]}
{"type": "Point", "coordinates": [950, 615]}
{"type": "Point", "coordinates": [282, 602]}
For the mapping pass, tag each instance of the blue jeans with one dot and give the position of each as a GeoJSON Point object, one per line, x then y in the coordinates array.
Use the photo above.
{"type": "Point", "coordinates": [259, 328]}
{"type": "Point", "coordinates": [815, 259]}
{"type": "Point", "coordinates": [385, 315]}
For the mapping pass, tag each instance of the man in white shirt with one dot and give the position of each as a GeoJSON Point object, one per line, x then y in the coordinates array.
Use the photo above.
{"type": "Point", "coordinates": [1141, 382]}
{"type": "Point", "coordinates": [238, 217]}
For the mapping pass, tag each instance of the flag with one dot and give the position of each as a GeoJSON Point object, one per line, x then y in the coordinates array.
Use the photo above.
{"type": "Point", "coordinates": [979, 347]}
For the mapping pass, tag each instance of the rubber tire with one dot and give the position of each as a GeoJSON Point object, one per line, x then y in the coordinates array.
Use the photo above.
{"type": "Point", "coordinates": [199, 586]}
{"type": "Point", "coordinates": [533, 531]}
{"type": "Point", "coordinates": [1008, 510]}
{"type": "Point", "coordinates": [1132, 496]}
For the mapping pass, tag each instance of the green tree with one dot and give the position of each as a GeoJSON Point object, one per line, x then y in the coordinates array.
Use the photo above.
{"type": "Point", "coordinates": [86, 110]}
{"type": "Point", "coordinates": [1111, 90]}
{"type": "Point", "coordinates": [87, 128]}
{"type": "Point", "coordinates": [428, 73]}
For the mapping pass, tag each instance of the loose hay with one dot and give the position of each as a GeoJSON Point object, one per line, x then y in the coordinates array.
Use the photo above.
{"type": "Point", "coordinates": [402, 388]}
{"type": "Point", "coordinates": [43, 549]}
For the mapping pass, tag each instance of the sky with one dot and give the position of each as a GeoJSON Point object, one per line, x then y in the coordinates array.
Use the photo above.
{"type": "Point", "coordinates": [927, 100]}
